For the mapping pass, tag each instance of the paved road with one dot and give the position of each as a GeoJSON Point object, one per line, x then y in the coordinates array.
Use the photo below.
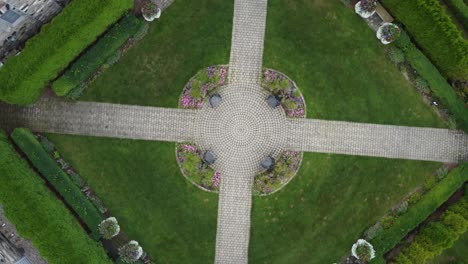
{"type": "Point", "coordinates": [101, 119]}
{"type": "Point", "coordinates": [377, 140]}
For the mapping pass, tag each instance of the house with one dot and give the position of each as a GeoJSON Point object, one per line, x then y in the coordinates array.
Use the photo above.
{"type": "Point", "coordinates": [21, 19]}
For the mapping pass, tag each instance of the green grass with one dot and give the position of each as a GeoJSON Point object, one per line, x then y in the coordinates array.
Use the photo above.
{"type": "Point", "coordinates": [341, 68]}
{"type": "Point", "coordinates": [39, 216]}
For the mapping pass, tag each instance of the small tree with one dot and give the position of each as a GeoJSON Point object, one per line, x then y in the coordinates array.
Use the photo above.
{"type": "Point", "coordinates": [130, 252]}
{"type": "Point", "coordinates": [363, 251]}
{"type": "Point", "coordinates": [109, 228]}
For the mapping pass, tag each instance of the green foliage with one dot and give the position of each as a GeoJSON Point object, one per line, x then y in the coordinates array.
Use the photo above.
{"type": "Point", "coordinates": [396, 55]}
{"type": "Point", "coordinates": [460, 8]}
{"type": "Point", "coordinates": [414, 197]}
{"type": "Point", "coordinates": [387, 221]}
{"type": "Point", "coordinates": [436, 236]}
{"type": "Point", "coordinates": [428, 203]}
{"type": "Point", "coordinates": [55, 176]}
{"type": "Point", "coordinates": [98, 54]}
{"type": "Point", "coordinates": [39, 216]}
{"type": "Point", "coordinates": [49, 52]}
{"type": "Point", "coordinates": [422, 85]}
{"type": "Point", "coordinates": [433, 30]}
{"type": "Point", "coordinates": [438, 85]}
{"type": "Point", "coordinates": [430, 182]}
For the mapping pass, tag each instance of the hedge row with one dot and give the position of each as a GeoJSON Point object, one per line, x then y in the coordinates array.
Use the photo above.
{"type": "Point", "coordinates": [437, 236]}
{"type": "Point", "coordinates": [45, 55]}
{"type": "Point", "coordinates": [98, 54]}
{"type": "Point", "coordinates": [57, 178]}
{"type": "Point", "coordinates": [39, 216]}
{"type": "Point", "coordinates": [436, 34]}
{"type": "Point", "coordinates": [460, 8]}
{"type": "Point", "coordinates": [417, 213]}
{"type": "Point", "coordinates": [437, 83]}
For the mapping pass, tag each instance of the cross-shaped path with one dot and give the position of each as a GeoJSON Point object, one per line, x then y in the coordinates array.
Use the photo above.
{"type": "Point", "coordinates": [241, 131]}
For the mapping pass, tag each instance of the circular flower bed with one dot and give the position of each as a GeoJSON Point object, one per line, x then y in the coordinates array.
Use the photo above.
{"type": "Point", "coordinates": [286, 91]}
{"type": "Point", "coordinates": [363, 251]}
{"type": "Point", "coordinates": [365, 8]}
{"type": "Point", "coordinates": [202, 84]}
{"type": "Point", "coordinates": [189, 156]}
{"type": "Point", "coordinates": [195, 169]}
{"type": "Point", "coordinates": [388, 32]}
{"type": "Point", "coordinates": [150, 10]}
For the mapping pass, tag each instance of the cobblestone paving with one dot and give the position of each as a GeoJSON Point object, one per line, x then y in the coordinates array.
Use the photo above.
{"type": "Point", "coordinates": [248, 33]}
{"type": "Point", "coordinates": [101, 119]}
{"type": "Point", "coordinates": [377, 140]}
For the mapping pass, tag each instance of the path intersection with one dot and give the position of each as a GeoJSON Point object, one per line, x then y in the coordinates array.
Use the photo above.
{"type": "Point", "coordinates": [240, 132]}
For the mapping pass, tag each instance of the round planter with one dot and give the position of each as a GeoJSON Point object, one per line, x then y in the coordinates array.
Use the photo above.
{"type": "Point", "coordinates": [361, 12]}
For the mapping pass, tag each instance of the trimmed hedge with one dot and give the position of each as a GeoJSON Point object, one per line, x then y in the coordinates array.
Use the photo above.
{"type": "Point", "coordinates": [39, 216]}
{"type": "Point", "coordinates": [55, 176]}
{"type": "Point", "coordinates": [417, 213]}
{"type": "Point", "coordinates": [437, 83]}
{"type": "Point", "coordinates": [436, 34]}
{"type": "Point", "coordinates": [45, 55]}
{"type": "Point", "coordinates": [97, 55]}
{"type": "Point", "coordinates": [435, 237]}
{"type": "Point", "coordinates": [460, 8]}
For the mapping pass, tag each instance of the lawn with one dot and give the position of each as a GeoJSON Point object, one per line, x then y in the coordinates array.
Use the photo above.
{"type": "Point", "coordinates": [341, 68]}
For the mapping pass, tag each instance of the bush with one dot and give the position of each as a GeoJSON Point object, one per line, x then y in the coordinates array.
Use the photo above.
{"type": "Point", "coordinates": [97, 55]}
{"type": "Point", "coordinates": [433, 30]}
{"type": "Point", "coordinates": [430, 182]}
{"type": "Point", "coordinates": [460, 8]}
{"type": "Point", "coordinates": [57, 178]}
{"type": "Point", "coordinates": [434, 238]}
{"type": "Point", "coordinates": [396, 55]}
{"type": "Point", "coordinates": [422, 85]}
{"type": "Point", "coordinates": [109, 228]}
{"type": "Point", "coordinates": [428, 203]}
{"type": "Point", "coordinates": [387, 221]}
{"type": "Point", "coordinates": [39, 216]}
{"type": "Point", "coordinates": [130, 252]}
{"type": "Point", "coordinates": [57, 44]}
{"type": "Point", "coordinates": [414, 198]}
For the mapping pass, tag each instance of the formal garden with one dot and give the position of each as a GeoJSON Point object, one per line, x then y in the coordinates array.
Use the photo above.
{"type": "Point", "coordinates": [159, 200]}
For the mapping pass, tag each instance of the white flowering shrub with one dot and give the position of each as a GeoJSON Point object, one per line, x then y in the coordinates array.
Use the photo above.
{"type": "Point", "coordinates": [363, 251]}
{"type": "Point", "coordinates": [365, 8]}
{"type": "Point", "coordinates": [130, 252]}
{"type": "Point", "coordinates": [388, 32]}
{"type": "Point", "coordinates": [109, 228]}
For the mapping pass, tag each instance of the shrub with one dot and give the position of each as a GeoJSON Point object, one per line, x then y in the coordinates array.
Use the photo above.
{"type": "Point", "coordinates": [40, 216]}
{"type": "Point", "coordinates": [402, 208]}
{"type": "Point", "coordinates": [373, 231]}
{"type": "Point", "coordinates": [363, 251]}
{"type": "Point", "coordinates": [414, 198]}
{"type": "Point", "coordinates": [130, 252]}
{"type": "Point", "coordinates": [430, 182]}
{"type": "Point", "coordinates": [422, 85]}
{"type": "Point", "coordinates": [97, 55]}
{"type": "Point", "coordinates": [404, 42]}
{"type": "Point", "coordinates": [57, 44]}
{"type": "Point", "coordinates": [460, 8]}
{"type": "Point", "coordinates": [455, 222]}
{"type": "Point", "coordinates": [109, 228]}
{"type": "Point", "coordinates": [433, 30]}
{"type": "Point", "coordinates": [428, 203]}
{"type": "Point", "coordinates": [387, 221]}
{"type": "Point", "coordinates": [57, 178]}
{"type": "Point", "coordinates": [396, 55]}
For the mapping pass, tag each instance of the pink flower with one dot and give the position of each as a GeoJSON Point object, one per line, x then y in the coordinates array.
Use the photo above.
{"type": "Point", "coordinates": [189, 148]}
{"type": "Point", "coordinates": [216, 178]}
{"type": "Point", "coordinates": [222, 73]}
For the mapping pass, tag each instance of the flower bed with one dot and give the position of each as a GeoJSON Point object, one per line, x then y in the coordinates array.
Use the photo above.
{"type": "Point", "coordinates": [365, 8]}
{"type": "Point", "coordinates": [202, 84]}
{"type": "Point", "coordinates": [286, 167]}
{"type": "Point", "coordinates": [195, 169]}
{"type": "Point", "coordinates": [286, 91]}
{"type": "Point", "coordinates": [189, 156]}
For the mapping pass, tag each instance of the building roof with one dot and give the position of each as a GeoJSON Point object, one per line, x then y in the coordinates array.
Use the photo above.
{"type": "Point", "coordinates": [10, 16]}
{"type": "Point", "coordinates": [23, 260]}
